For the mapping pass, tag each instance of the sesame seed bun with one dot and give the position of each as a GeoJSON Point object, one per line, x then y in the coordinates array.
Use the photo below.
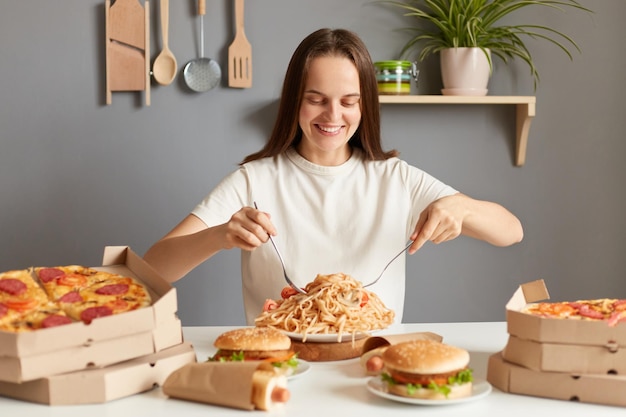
{"type": "Point", "coordinates": [253, 339]}
{"type": "Point", "coordinates": [425, 357]}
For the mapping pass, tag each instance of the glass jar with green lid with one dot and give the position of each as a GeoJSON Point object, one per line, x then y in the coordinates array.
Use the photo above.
{"type": "Point", "coordinates": [394, 77]}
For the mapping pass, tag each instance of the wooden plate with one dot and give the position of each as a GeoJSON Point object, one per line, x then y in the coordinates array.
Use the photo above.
{"type": "Point", "coordinates": [325, 351]}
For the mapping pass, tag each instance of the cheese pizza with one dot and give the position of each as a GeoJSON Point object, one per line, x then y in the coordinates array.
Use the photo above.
{"type": "Point", "coordinates": [611, 310]}
{"type": "Point", "coordinates": [44, 297]}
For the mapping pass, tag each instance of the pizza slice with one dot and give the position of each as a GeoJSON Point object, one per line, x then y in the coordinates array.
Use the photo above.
{"type": "Point", "coordinates": [60, 280]}
{"type": "Point", "coordinates": [19, 294]}
{"type": "Point", "coordinates": [45, 316]}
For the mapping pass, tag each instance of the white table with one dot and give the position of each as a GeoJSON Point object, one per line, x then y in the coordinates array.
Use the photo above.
{"type": "Point", "coordinates": [336, 388]}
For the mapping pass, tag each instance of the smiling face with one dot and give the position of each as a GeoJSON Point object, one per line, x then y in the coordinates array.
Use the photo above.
{"type": "Point", "coordinates": [330, 111]}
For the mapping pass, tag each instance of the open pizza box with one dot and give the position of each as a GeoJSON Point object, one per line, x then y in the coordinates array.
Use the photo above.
{"type": "Point", "coordinates": [107, 340]}
{"type": "Point", "coordinates": [547, 330]}
{"type": "Point", "coordinates": [100, 385]}
{"type": "Point", "coordinates": [586, 388]}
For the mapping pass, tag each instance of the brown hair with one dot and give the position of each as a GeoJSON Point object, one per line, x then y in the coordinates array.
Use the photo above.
{"type": "Point", "coordinates": [327, 42]}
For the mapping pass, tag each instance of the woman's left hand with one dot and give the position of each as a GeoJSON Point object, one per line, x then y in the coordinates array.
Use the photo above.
{"type": "Point", "coordinates": [441, 221]}
{"type": "Point", "coordinates": [447, 218]}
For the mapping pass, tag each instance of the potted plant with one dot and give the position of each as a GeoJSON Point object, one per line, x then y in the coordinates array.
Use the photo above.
{"type": "Point", "coordinates": [469, 31]}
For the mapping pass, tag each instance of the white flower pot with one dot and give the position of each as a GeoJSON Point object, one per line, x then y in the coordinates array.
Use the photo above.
{"type": "Point", "coordinates": [464, 72]}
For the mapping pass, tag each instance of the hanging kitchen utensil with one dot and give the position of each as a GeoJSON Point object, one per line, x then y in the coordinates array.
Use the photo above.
{"type": "Point", "coordinates": [240, 54]}
{"type": "Point", "coordinates": [127, 25]}
{"type": "Point", "coordinates": [164, 67]}
{"type": "Point", "coordinates": [202, 74]}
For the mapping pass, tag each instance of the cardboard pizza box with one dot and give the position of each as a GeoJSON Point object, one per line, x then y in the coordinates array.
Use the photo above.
{"type": "Point", "coordinates": [94, 386]}
{"type": "Point", "coordinates": [559, 357]}
{"type": "Point", "coordinates": [94, 355]}
{"type": "Point", "coordinates": [107, 339]}
{"type": "Point", "coordinates": [579, 332]}
{"type": "Point", "coordinates": [586, 388]}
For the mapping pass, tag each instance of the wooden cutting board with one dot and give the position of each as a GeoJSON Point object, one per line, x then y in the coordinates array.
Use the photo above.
{"type": "Point", "coordinates": [323, 351]}
{"type": "Point", "coordinates": [127, 37]}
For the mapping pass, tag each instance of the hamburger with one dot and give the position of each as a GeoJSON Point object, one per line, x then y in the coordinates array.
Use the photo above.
{"type": "Point", "coordinates": [262, 344]}
{"type": "Point", "coordinates": [427, 369]}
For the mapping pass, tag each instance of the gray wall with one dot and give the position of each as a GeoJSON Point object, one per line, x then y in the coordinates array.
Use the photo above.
{"type": "Point", "coordinates": [77, 175]}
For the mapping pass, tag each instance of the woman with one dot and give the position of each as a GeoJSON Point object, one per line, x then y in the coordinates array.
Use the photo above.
{"type": "Point", "coordinates": [335, 201]}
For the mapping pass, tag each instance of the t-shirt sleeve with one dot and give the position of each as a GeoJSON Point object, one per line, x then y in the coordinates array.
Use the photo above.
{"type": "Point", "coordinates": [228, 197]}
{"type": "Point", "coordinates": [424, 189]}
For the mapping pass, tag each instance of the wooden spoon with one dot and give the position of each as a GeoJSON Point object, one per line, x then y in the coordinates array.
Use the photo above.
{"type": "Point", "coordinates": [164, 67]}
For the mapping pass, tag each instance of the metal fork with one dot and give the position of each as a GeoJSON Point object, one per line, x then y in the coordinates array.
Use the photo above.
{"type": "Point", "coordinates": [291, 284]}
{"type": "Point", "coordinates": [386, 266]}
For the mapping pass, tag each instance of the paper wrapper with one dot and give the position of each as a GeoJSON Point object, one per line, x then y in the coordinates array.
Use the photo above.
{"type": "Point", "coordinates": [374, 345]}
{"type": "Point", "coordinates": [229, 384]}
{"type": "Point", "coordinates": [374, 342]}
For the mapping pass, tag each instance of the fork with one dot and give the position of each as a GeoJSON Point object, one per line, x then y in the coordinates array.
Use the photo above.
{"type": "Point", "coordinates": [386, 266]}
{"type": "Point", "coordinates": [282, 263]}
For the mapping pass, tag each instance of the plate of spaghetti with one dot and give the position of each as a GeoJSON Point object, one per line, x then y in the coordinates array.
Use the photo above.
{"type": "Point", "coordinates": [335, 308]}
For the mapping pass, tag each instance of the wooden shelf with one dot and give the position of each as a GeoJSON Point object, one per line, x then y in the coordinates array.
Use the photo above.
{"type": "Point", "coordinates": [524, 113]}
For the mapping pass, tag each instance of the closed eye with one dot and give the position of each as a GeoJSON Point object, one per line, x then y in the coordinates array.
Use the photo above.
{"type": "Point", "coordinates": [317, 98]}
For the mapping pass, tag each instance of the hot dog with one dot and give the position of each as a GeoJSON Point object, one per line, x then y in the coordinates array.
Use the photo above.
{"type": "Point", "coordinates": [268, 390]}
{"type": "Point", "coordinates": [372, 361]}
{"type": "Point", "coordinates": [247, 385]}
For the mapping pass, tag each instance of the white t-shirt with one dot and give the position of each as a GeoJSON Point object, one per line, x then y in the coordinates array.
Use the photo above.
{"type": "Point", "coordinates": [351, 218]}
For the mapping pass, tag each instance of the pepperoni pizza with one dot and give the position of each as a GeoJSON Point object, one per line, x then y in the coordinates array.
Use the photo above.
{"type": "Point", "coordinates": [50, 296]}
{"type": "Point", "coordinates": [610, 310]}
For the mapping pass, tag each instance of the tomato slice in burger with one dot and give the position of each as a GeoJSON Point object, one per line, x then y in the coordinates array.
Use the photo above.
{"type": "Point", "coordinates": [419, 379]}
{"type": "Point", "coordinates": [284, 358]}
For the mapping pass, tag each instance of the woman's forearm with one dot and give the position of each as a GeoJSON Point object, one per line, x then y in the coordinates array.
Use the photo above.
{"type": "Point", "coordinates": [492, 223]}
{"type": "Point", "coordinates": [185, 247]}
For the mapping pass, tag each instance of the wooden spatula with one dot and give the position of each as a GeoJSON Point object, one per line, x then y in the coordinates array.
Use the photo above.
{"type": "Point", "coordinates": [240, 54]}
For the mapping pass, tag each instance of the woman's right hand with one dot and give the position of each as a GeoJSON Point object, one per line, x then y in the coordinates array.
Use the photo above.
{"type": "Point", "coordinates": [248, 229]}
{"type": "Point", "coordinates": [191, 242]}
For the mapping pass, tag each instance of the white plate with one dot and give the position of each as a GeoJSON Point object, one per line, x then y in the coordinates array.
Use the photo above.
{"type": "Point", "coordinates": [302, 368]}
{"type": "Point", "coordinates": [327, 338]}
{"type": "Point", "coordinates": [480, 388]}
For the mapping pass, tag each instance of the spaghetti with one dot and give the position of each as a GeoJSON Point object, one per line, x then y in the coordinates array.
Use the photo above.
{"type": "Point", "coordinates": [335, 303]}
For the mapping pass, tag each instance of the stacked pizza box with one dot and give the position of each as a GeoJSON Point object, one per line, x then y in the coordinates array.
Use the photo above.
{"type": "Point", "coordinates": [110, 358]}
{"type": "Point", "coordinates": [566, 359]}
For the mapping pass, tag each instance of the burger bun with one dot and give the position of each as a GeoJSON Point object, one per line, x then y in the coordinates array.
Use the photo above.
{"type": "Point", "coordinates": [425, 357]}
{"type": "Point", "coordinates": [253, 339]}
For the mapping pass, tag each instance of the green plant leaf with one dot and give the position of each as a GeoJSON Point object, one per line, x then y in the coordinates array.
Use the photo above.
{"type": "Point", "coordinates": [441, 24]}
